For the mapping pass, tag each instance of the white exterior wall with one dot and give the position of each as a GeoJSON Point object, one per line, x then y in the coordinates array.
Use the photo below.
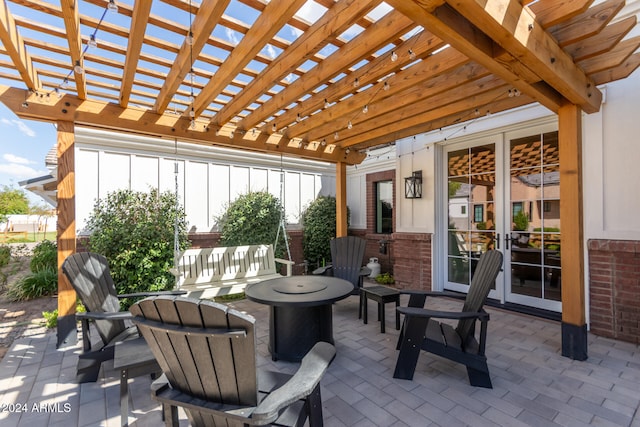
{"type": "Point", "coordinates": [208, 177]}
{"type": "Point", "coordinates": [612, 157]}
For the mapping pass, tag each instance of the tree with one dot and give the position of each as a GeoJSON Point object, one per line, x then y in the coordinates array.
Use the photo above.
{"type": "Point", "coordinates": [319, 224]}
{"type": "Point", "coordinates": [135, 232]}
{"type": "Point", "coordinates": [13, 201]}
{"type": "Point", "coordinates": [253, 219]}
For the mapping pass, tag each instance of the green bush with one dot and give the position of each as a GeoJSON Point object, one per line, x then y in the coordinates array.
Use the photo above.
{"type": "Point", "coordinates": [5, 255]}
{"type": "Point", "coordinates": [37, 284]}
{"type": "Point", "coordinates": [135, 232]}
{"type": "Point", "coordinates": [51, 317]}
{"type": "Point", "coordinates": [385, 279]}
{"type": "Point", "coordinates": [45, 256]}
{"type": "Point", "coordinates": [319, 225]}
{"type": "Point", "coordinates": [520, 221]}
{"type": "Point", "coordinates": [252, 219]}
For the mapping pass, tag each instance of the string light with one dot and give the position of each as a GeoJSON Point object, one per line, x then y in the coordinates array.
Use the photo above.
{"type": "Point", "coordinates": [326, 103]}
{"type": "Point", "coordinates": [189, 38]}
{"type": "Point", "coordinates": [349, 125]}
{"type": "Point", "coordinates": [365, 109]}
{"type": "Point", "coordinates": [92, 41]}
{"type": "Point", "coordinates": [386, 86]}
{"type": "Point", "coordinates": [193, 124]}
{"type": "Point", "coordinates": [412, 54]}
{"type": "Point", "coordinates": [323, 142]}
{"type": "Point", "coordinates": [112, 6]}
{"type": "Point", "coordinates": [394, 56]}
{"type": "Point", "coordinates": [78, 68]}
{"type": "Point", "coordinates": [274, 128]}
{"type": "Point", "coordinates": [356, 82]}
{"type": "Point", "coordinates": [335, 135]}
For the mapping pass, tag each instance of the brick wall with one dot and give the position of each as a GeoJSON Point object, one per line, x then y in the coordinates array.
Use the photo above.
{"type": "Point", "coordinates": [412, 260]}
{"type": "Point", "coordinates": [614, 289]}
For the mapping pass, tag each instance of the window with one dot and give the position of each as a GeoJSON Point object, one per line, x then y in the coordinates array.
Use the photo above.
{"type": "Point", "coordinates": [384, 207]}
{"type": "Point", "coordinates": [463, 210]}
{"type": "Point", "coordinates": [478, 213]}
{"type": "Point", "coordinates": [516, 208]}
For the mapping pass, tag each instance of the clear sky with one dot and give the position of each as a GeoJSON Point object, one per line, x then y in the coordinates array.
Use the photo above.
{"type": "Point", "coordinates": [23, 147]}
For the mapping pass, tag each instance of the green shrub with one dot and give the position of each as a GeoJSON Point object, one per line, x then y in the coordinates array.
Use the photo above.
{"type": "Point", "coordinates": [37, 284]}
{"type": "Point", "coordinates": [385, 279]}
{"type": "Point", "coordinates": [45, 256]}
{"type": "Point", "coordinates": [252, 219]}
{"type": "Point", "coordinates": [135, 232]}
{"type": "Point", "coordinates": [5, 255]}
{"type": "Point", "coordinates": [520, 221]}
{"type": "Point", "coordinates": [319, 225]}
{"type": "Point", "coordinates": [51, 317]}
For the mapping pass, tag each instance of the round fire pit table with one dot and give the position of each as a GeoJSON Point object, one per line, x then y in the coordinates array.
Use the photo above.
{"type": "Point", "coordinates": [300, 311]}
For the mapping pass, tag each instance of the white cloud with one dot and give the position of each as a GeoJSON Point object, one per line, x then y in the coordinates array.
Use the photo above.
{"type": "Point", "coordinates": [311, 11]}
{"type": "Point", "coordinates": [232, 36]}
{"type": "Point", "coordinates": [11, 158]}
{"type": "Point", "coordinates": [271, 52]}
{"type": "Point", "coordinates": [20, 171]}
{"type": "Point", "coordinates": [22, 127]}
{"type": "Point", "coordinates": [25, 129]}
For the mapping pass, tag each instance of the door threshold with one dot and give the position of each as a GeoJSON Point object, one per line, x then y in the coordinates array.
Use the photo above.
{"type": "Point", "coordinates": [525, 309]}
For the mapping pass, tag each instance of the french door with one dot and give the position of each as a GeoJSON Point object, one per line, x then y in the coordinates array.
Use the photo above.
{"type": "Point", "coordinates": [503, 193]}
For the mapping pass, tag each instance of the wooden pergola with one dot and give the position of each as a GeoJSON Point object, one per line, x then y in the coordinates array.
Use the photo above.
{"type": "Point", "coordinates": [323, 79]}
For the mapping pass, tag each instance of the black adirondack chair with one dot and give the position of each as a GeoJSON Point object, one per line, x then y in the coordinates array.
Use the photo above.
{"type": "Point", "coordinates": [207, 353]}
{"type": "Point", "coordinates": [89, 275]}
{"type": "Point", "coordinates": [347, 254]}
{"type": "Point", "coordinates": [459, 344]}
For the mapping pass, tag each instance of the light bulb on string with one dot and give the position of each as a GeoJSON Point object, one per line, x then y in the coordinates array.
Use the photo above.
{"type": "Point", "coordinates": [356, 82]}
{"type": "Point", "coordinates": [193, 124]}
{"type": "Point", "coordinates": [191, 97]}
{"type": "Point", "coordinates": [326, 103]}
{"type": "Point", "coordinates": [78, 68]}
{"type": "Point", "coordinates": [92, 41]}
{"type": "Point", "coordinates": [349, 125]}
{"type": "Point", "coordinates": [394, 56]}
{"type": "Point", "coordinates": [64, 83]}
{"type": "Point", "coordinates": [335, 135]}
{"type": "Point", "coordinates": [412, 54]}
{"type": "Point", "coordinates": [192, 112]}
{"type": "Point", "coordinates": [58, 93]}
{"type": "Point", "coordinates": [112, 6]}
{"type": "Point", "coordinates": [365, 109]}
{"type": "Point", "coordinates": [323, 142]}
{"type": "Point", "coordinates": [189, 38]}
{"type": "Point", "coordinates": [386, 86]}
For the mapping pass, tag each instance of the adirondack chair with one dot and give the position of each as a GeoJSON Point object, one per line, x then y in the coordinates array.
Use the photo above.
{"type": "Point", "coordinates": [458, 344]}
{"type": "Point", "coordinates": [207, 353]}
{"type": "Point", "coordinates": [89, 276]}
{"type": "Point", "coordinates": [347, 255]}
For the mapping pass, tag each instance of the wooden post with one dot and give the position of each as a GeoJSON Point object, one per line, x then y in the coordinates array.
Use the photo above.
{"type": "Point", "coordinates": [574, 328]}
{"type": "Point", "coordinates": [341, 199]}
{"type": "Point", "coordinates": [66, 201]}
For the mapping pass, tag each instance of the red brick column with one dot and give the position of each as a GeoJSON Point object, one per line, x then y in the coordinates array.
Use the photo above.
{"type": "Point", "coordinates": [614, 289]}
{"type": "Point", "coordinates": [412, 260]}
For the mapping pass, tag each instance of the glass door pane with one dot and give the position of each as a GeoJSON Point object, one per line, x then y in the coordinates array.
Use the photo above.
{"type": "Point", "coordinates": [535, 219]}
{"type": "Point", "coordinates": [471, 180]}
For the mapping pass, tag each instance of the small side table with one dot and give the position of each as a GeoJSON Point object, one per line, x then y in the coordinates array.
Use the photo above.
{"type": "Point", "coordinates": [382, 295]}
{"type": "Point", "coordinates": [132, 358]}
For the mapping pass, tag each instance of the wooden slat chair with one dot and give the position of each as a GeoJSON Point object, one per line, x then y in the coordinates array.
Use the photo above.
{"type": "Point", "coordinates": [458, 344]}
{"type": "Point", "coordinates": [347, 254]}
{"type": "Point", "coordinates": [207, 353]}
{"type": "Point", "coordinates": [90, 277]}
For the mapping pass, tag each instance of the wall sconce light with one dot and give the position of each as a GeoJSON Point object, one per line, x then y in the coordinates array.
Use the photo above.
{"type": "Point", "coordinates": [413, 186]}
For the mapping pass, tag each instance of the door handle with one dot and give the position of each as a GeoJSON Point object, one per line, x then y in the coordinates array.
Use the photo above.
{"type": "Point", "coordinates": [507, 239]}
{"type": "Point", "coordinates": [497, 240]}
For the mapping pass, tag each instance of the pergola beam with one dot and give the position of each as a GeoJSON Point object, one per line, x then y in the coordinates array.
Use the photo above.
{"type": "Point", "coordinates": [274, 16]}
{"type": "Point", "coordinates": [205, 21]}
{"type": "Point", "coordinates": [107, 115]}
{"type": "Point", "coordinates": [141, 10]}
{"type": "Point", "coordinates": [515, 29]}
{"type": "Point", "coordinates": [376, 36]}
{"type": "Point", "coordinates": [14, 45]}
{"type": "Point", "coordinates": [71, 17]}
